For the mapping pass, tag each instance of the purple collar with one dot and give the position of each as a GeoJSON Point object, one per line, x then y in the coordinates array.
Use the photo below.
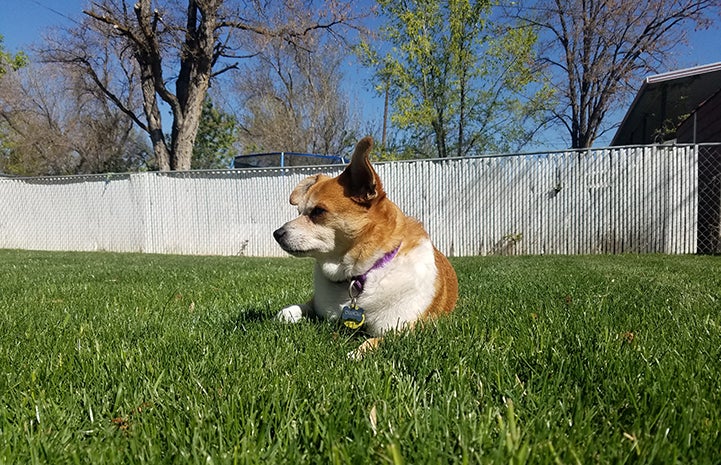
{"type": "Point", "coordinates": [358, 282]}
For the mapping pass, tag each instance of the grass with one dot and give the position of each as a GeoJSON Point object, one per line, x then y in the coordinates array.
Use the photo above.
{"type": "Point", "coordinates": [119, 358]}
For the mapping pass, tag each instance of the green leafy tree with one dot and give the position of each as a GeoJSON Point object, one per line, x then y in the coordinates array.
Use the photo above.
{"type": "Point", "coordinates": [455, 78]}
{"type": "Point", "coordinates": [217, 134]}
{"type": "Point", "coordinates": [8, 61]}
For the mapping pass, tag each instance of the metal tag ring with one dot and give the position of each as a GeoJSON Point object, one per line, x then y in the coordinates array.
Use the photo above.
{"type": "Point", "coordinates": [354, 290]}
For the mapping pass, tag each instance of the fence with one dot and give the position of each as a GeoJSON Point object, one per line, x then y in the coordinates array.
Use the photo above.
{"type": "Point", "coordinates": [654, 199]}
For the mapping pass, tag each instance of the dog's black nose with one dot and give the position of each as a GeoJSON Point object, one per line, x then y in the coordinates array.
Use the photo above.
{"type": "Point", "coordinates": [278, 234]}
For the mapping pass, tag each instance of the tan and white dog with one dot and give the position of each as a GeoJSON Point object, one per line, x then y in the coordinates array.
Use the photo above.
{"type": "Point", "coordinates": [376, 268]}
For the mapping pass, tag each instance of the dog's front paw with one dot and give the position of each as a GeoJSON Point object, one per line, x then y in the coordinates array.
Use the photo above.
{"type": "Point", "coordinates": [292, 314]}
{"type": "Point", "coordinates": [367, 346]}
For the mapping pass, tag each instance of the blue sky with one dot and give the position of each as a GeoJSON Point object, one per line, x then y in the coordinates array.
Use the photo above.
{"type": "Point", "coordinates": [23, 22]}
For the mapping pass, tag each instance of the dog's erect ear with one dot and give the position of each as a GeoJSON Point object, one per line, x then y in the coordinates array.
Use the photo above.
{"type": "Point", "coordinates": [359, 177]}
{"type": "Point", "coordinates": [301, 189]}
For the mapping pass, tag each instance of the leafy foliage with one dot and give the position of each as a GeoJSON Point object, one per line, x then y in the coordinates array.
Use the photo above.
{"type": "Point", "coordinates": [455, 77]}
{"type": "Point", "coordinates": [215, 143]}
{"type": "Point", "coordinates": [8, 61]}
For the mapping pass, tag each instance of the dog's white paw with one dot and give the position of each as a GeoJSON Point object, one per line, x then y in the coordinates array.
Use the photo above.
{"type": "Point", "coordinates": [292, 314]}
{"type": "Point", "coordinates": [368, 346]}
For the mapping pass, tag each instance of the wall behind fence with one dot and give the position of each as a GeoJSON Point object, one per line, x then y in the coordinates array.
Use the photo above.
{"type": "Point", "coordinates": [639, 199]}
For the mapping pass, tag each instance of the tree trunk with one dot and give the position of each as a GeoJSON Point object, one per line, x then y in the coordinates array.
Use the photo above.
{"type": "Point", "coordinates": [462, 112]}
{"type": "Point", "coordinates": [196, 66]}
{"type": "Point", "coordinates": [185, 129]}
{"type": "Point", "coordinates": [385, 116]}
{"type": "Point", "coordinates": [152, 115]}
{"type": "Point", "coordinates": [440, 135]}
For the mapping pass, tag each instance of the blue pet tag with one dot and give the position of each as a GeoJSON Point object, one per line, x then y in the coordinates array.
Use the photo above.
{"type": "Point", "coordinates": [353, 316]}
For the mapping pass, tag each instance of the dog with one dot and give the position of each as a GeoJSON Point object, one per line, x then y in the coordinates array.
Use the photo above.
{"type": "Point", "coordinates": [376, 269]}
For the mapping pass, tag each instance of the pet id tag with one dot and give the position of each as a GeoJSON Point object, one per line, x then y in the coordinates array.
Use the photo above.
{"type": "Point", "coordinates": [353, 316]}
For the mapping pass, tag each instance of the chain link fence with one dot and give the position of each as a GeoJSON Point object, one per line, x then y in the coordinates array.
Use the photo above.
{"type": "Point", "coordinates": [709, 199]}
{"type": "Point", "coordinates": [649, 199]}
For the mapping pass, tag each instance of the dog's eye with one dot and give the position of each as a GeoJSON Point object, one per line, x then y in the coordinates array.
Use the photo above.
{"type": "Point", "coordinates": [316, 212]}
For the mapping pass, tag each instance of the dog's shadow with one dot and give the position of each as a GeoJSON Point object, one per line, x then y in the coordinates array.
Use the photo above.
{"type": "Point", "coordinates": [245, 316]}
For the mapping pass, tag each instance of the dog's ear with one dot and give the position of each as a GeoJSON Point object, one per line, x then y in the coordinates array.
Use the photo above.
{"type": "Point", "coordinates": [301, 189]}
{"type": "Point", "coordinates": [360, 179]}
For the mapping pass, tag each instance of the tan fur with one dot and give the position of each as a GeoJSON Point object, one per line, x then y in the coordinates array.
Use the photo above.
{"type": "Point", "coordinates": [446, 287]}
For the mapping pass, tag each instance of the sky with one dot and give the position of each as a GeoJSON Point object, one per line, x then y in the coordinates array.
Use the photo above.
{"type": "Point", "coordinates": [23, 23]}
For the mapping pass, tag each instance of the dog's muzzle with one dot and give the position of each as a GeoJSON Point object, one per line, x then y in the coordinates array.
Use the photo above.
{"type": "Point", "coordinates": [281, 237]}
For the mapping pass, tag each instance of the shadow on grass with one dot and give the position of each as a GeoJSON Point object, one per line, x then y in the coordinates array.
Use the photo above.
{"type": "Point", "coordinates": [247, 318]}
{"type": "Point", "coordinates": [250, 315]}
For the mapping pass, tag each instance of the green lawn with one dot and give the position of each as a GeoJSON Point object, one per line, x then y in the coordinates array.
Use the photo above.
{"type": "Point", "coordinates": [118, 358]}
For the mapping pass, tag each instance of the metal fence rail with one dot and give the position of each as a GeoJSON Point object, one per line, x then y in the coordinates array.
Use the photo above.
{"type": "Point", "coordinates": [657, 199]}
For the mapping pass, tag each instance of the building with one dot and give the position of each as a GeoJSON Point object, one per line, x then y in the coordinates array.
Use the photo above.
{"type": "Point", "coordinates": [683, 105]}
{"type": "Point", "coordinates": [704, 123]}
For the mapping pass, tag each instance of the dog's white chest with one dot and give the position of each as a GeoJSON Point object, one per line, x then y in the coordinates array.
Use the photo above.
{"type": "Point", "coordinates": [393, 296]}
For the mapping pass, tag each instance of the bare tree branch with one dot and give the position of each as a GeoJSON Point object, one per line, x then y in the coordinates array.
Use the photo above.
{"type": "Point", "coordinates": [177, 47]}
{"type": "Point", "coordinates": [595, 48]}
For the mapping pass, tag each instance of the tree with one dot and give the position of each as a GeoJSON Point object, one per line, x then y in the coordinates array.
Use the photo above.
{"type": "Point", "coordinates": [596, 50]}
{"type": "Point", "coordinates": [292, 101]}
{"type": "Point", "coordinates": [454, 77]}
{"type": "Point", "coordinates": [53, 125]}
{"type": "Point", "coordinates": [164, 42]}
{"type": "Point", "coordinates": [217, 133]}
{"type": "Point", "coordinates": [10, 62]}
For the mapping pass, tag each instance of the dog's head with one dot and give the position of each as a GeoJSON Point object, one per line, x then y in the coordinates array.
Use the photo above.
{"type": "Point", "coordinates": [333, 212]}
